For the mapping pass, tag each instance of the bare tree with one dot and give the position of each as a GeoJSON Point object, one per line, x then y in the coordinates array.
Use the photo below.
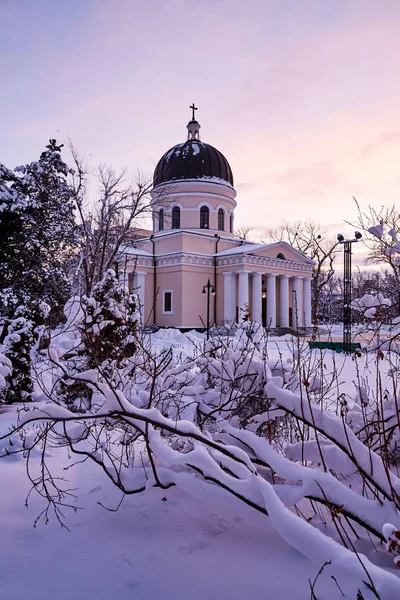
{"type": "Point", "coordinates": [108, 222]}
{"type": "Point", "coordinates": [311, 239]}
{"type": "Point", "coordinates": [381, 229]}
{"type": "Point", "coordinates": [243, 233]}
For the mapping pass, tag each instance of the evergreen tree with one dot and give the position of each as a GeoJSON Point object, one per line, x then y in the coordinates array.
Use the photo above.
{"type": "Point", "coordinates": [37, 232]}
{"type": "Point", "coordinates": [107, 328]}
{"type": "Point", "coordinates": [23, 332]}
{"type": "Point", "coordinates": [110, 322]}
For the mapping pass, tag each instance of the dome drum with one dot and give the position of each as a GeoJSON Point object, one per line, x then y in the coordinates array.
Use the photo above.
{"type": "Point", "coordinates": [195, 189]}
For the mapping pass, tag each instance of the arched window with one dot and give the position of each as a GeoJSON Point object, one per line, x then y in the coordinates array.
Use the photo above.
{"type": "Point", "coordinates": [161, 220]}
{"type": "Point", "coordinates": [221, 220]}
{"type": "Point", "coordinates": [204, 217]}
{"type": "Point", "coordinates": [281, 256]}
{"type": "Point", "coordinates": [231, 223]}
{"type": "Point", "coordinates": [176, 217]}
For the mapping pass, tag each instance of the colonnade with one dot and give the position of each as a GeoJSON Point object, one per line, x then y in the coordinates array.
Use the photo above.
{"type": "Point", "coordinates": [240, 281]}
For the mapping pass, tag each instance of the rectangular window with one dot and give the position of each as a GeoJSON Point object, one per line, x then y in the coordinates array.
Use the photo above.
{"type": "Point", "coordinates": [167, 302]}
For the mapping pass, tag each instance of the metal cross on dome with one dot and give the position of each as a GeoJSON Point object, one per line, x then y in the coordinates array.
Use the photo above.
{"type": "Point", "coordinates": [193, 107]}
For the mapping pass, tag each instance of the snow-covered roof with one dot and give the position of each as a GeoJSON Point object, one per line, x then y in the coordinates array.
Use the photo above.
{"type": "Point", "coordinates": [242, 249]}
{"type": "Point", "coordinates": [135, 251]}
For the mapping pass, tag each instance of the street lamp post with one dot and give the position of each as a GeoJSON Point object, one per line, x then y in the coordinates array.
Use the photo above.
{"type": "Point", "coordinates": [347, 288]}
{"type": "Point", "coordinates": [208, 289]}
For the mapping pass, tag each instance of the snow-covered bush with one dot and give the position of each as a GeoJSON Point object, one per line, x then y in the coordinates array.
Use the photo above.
{"type": "Point", "coordinates": [111, 319]}
{"type": "Point", "coordinates": [203, 420]}
{"type": "Point", "coordinates": [24, 331]}
{"type": "Point", "coordinates": [392, 536]}
{"type": "Point", "coordinates": [372, 306]}
{"type": "Point", "coordinates": [5, 371]}
{"type": "Point", "coordinates": [103, 327]}
{"type": "Point", "coordinates": [373, 412]}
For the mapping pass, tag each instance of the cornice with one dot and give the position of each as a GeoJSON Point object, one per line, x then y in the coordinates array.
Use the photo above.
{"type": "Point", "coordinates": [265, 261]}
{"type": "Point", "coordinates": [179, 258]}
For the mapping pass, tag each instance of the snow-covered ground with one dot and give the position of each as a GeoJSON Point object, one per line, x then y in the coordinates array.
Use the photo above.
{"type": "Point", "coordinates": [161, 544]}
{"type": "Point", "coordinates": [164, 544]}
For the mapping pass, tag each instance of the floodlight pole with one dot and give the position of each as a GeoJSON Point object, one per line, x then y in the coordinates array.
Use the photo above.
{"type": "Point", "coordinates": [347, 297]}
{"type": "Point", "coordinates": [347, 289]}
{"type": "Point", "coordinates": [208, 289]}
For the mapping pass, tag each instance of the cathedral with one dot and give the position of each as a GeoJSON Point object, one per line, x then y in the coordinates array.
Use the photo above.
{"type": "Point", "coordinates": [193, 271]}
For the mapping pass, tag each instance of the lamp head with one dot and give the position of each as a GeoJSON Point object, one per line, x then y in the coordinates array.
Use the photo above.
{"type": "Point", "coordinates": [358, 235]}
{"type": "Point", "coordinates": [340, 237]}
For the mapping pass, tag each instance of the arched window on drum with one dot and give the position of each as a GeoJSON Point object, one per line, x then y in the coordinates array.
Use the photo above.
{"type": "Point", "coordinates": [204, 217]}
{"type": "Point", "coordinates": [176, 217]}
{"type": "Point", "coordinates": [221, 219]}
{"type": "Point", "coordinates": [161, 219]}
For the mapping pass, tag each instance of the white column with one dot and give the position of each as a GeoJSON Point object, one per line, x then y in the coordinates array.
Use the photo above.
{"type": "Point", "coordinates": [257, 295]}
{"type": "Point", "coordinates": [271, 300]}
{"type": "Point", "coordinates": [307, 302]}
{"type": "Point", "coordinates": [139, 289]}
{"type": "Point", "coordinates": [297, 302]}
{"type": "Point", "coordinates": [243, 293]}
{"type": "Point", "coordinates": [123, 276]}
{"type": "Point", "coordinates": [284, 301]}
{"type": "Point", "coordinates": [229, 297]}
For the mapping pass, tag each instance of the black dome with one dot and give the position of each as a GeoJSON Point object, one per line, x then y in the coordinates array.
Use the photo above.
{"type": "Point", "coordinates": [192, 160]}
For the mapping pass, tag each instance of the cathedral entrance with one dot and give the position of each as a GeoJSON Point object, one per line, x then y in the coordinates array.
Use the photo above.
{"type": "Point", "coordinates": [264, 309]}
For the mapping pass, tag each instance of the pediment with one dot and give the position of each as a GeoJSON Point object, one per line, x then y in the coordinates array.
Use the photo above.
{"type": "Point", "coordinates": [272, 250]}
{"type": "Point", "coordinates": [282, 248]}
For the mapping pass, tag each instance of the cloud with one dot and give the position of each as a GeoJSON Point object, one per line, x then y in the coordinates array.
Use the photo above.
{"type": "Point", "coordinates": [312, 178]}
{"type": "Point", "coordinates": [302, 97]}
{"type": "Point", "coordinates": [240, 187]}
{"type": "Point", "coordinates": [389, 137]}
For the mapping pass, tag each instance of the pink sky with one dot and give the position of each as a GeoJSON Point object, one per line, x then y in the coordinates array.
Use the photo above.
{"type": "Point", "coordinates": [301, 96]}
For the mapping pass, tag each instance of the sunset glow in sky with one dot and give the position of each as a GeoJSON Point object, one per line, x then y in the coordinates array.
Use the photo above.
{"type": "Point", "coordinates": [302, 97]}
